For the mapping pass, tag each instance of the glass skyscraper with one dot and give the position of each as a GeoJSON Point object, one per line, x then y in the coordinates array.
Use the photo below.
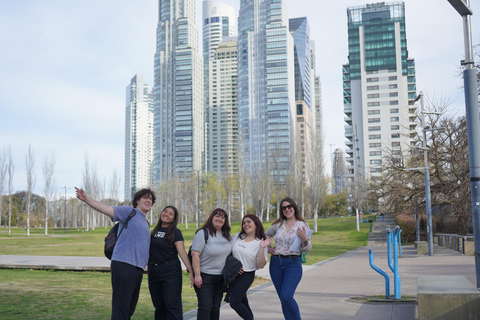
{"type": "Point", "coordinates": [138, 136]}
{"type": "Point", "coordinates": [266, 100]}
{"type": "Point", "coordinates": [218, 24]}
{"type": "Point", "coordinates": [379, 88]}
{"type": "Point", "coordinates": [178, 92]}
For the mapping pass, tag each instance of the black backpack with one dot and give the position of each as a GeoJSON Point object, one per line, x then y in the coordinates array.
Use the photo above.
{"type": "Point", "coordinates": [189, 254]}
{"type": "Point", "coordinates": [111, 238]}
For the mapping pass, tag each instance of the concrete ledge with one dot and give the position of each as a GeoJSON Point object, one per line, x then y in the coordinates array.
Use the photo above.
{"type": "Point", "coordinates": [416, 243]}
{"type": "Point", "coordinates": [469, 247]}
{"type": "Point", "coordinates": [422, 247]}
{"type": "Point", "coordinates": [447, 297]}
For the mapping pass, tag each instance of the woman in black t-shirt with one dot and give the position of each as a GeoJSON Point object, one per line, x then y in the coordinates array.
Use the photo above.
{"type": "Point", "coordinates": [164, 268]}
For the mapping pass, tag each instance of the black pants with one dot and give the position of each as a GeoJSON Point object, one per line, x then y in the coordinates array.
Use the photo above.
{"type": "Point", "coordinates": [126, 282]}
{"type": "Point", "coordinates": [238, 299]}
{"type": "Point", "coordinates": [209, 297]}
{"type": "Point", "coordinates": [165, 284]}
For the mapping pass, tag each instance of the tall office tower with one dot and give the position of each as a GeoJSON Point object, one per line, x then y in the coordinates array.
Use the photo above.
{"type": "Point", "coordinates": [318, 115]}
{"type": "Point", "coordinates": [223, 115]}
{"type": "Point", "coordinates": [338, 171]}
{"type": "Point", "coordinates": [218, 23]}
{"type": "Point", "coordinates": [138, 136]}
{"type": "Point", "coordinates": [178, 92]}
{"type": "Point", "coordinates": [378, 88]}
{"type": "Point", "coordinates": [266, 100]}
{"type": "Point", "coordinates": [300, 31]}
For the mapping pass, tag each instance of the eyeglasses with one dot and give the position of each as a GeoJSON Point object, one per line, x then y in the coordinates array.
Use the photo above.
{"type": "Point", "coordinates": [287, 207]}
{"type": "Point", "coordinates": [221, 216]}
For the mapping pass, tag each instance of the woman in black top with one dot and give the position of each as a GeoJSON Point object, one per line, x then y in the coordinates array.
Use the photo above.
{"type": "Point", "coordinates": [164, 268]}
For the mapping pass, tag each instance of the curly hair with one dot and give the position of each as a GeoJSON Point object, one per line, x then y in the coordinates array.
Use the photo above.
{"type": "Point", "coordinates": [142, 193]}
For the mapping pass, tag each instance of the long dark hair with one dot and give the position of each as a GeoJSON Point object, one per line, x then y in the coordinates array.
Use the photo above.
{"type": "Point", "coordinates": [170, 234]}
{"type": "Point", "coordinates": [211, 229]}
{"type": "Point", "coordinates": [283, 218]}
{"type": "Point", "coordinates": [259, 231]}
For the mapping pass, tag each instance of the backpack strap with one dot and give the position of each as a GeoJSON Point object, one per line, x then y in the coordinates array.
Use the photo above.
{"type": "Point", "coordinates": [205, 234]}
{"type": "Point", "coordinates": [130, 216]}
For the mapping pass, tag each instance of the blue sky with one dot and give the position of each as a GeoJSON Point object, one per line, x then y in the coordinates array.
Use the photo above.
{"type": "Point", "coordinates": [65, 65]}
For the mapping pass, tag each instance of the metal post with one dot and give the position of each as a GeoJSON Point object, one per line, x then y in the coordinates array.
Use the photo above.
{"type": "Point", "coordinates": [65, 213]}
{"type": "Point", "coordinates": [389, 249]}
{"type": "Point", "coordinates": [387, 281]}
{"type": "Point", "coordinates": [396, 276]}
{"type": "Point", "coordinates": [198, 200]}
{"type": "Point", "coordinates": [428, 198]}
{"type": "Point", "coordinates": [399, 244]}
{"type": "Point", "coordinates": [473, 124]}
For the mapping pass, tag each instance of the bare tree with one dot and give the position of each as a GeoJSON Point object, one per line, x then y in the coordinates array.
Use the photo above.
{"type": "Point", "coordinates": [29, 164]}
{"type": "Point", "coordinates": [318, 182]}
{"type": "Point", "coordinates": [10, 170]}
{"type": "Point", "coordinates": [242, 179]}
{"type": "Point", "coordinates": [3, 174]}
{"type": "Point", "coordinates": [48, 170]}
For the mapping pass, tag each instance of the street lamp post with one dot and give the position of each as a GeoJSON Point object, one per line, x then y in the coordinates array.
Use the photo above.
{"type": "Point", "coordinates": [473, 123]}
{"type": "Point", "coordinates": [428, 197]}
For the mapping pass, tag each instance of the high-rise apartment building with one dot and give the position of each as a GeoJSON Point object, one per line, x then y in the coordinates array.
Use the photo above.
{"type": "Point", "coordinates": [338, 171]}
{"type": "Point", "coordinates": [222, 111]}
{"type": "Point", "coordinates": [218, 24]}
{"type": "Point", "coordinates": [300, 31]}
{"type": "Point", "coordinates": [138, 136]}
{"type": "Point", "coordinates": [266, 97]}
{"type": "Point", "coordinates": [379, 88]}
{"type": "Point", "coordinates": [178, 92]}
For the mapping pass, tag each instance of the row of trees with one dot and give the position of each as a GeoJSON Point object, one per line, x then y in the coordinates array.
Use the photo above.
{"type": "Point", "coordinates": [195, 196]}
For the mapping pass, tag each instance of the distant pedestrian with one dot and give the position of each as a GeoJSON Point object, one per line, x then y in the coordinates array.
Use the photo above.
{"type": "Point", "coordinates": [286, 263]}
{"type": "Point", "coordinates": [164, 268]}
{"type": "Point", "coordinates": [130, 256]}
{"type": "Point", "coordinates": [208, 260]}
{"type": "Point", "coordinates": [249, 246]}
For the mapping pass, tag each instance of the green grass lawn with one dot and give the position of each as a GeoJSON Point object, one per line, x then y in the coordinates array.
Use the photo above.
{"type": "Point", "coordinates": [48, 294]}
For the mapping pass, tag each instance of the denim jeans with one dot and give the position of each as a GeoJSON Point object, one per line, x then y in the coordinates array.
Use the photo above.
{"type": "Point", "coordinates": [209, 297]}
{"type": "Point", "coordinates": [126, 282]}
{"type": "Point", "coordinates": [165, 285]}
{"type": "Point", "coordinates": [286, 274]}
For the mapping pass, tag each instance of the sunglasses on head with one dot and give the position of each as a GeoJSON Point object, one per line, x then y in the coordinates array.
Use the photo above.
{"type": "Point", "coordinates": [287, 207]}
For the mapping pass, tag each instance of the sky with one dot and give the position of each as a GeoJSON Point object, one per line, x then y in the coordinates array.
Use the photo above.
{"type": "Point", "coordinates": [65, 66]}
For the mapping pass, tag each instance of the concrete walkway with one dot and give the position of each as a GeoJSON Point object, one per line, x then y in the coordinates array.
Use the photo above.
{"type": "Point", "coordinates": [326, 289]}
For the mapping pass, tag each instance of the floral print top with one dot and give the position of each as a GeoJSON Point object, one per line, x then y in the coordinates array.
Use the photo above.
{"type": "Point", "coordinates": [284, 239]}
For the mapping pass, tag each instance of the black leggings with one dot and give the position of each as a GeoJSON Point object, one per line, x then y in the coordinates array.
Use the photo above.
{"type": "Point", "coordinates": [238, 299]}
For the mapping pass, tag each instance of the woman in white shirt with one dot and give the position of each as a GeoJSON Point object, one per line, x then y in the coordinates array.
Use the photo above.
{"type": "Point", "coordinates": [285, 263]}
{"type": "Point", "coordinates": [250, 248]}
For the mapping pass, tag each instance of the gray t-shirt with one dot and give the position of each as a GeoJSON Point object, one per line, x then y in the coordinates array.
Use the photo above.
{"type": "Point", "coordinates": [213, 253]}
{"type": "Point", "coordinates": [134, 244]}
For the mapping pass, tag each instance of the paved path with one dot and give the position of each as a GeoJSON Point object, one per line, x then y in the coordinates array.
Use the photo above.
{"type": "Point", "coordinates": [325, 289]}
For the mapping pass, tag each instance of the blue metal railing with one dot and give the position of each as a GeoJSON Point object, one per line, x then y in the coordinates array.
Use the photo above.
{"type": "Point", "coordinates": [387, 280]}
{"type": "Point", "coordinates": [393, 240]}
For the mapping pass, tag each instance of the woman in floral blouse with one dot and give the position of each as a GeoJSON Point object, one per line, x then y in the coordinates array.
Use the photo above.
{"type": "Point", "coordinates": [285, 263]}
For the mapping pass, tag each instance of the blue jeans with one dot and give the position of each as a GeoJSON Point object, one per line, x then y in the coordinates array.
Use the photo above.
{"type": "Point", "coordinates": [165, 284]}
{"type": "Point", "coordinates": [209, 297]}
{"type": "Point", "coordinates": [286, 274]}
